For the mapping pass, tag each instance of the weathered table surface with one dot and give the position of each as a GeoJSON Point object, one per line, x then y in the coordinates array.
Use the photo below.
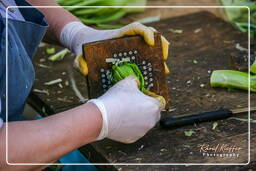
{"type": "Point", "coordinates": [205, 39]}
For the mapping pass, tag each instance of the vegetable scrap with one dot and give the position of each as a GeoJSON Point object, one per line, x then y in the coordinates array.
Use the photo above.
{"type": "Point", "coordinates": [58, 56]}
{"type": "Point", "coordinates": [243, 120]}
{"type": "Point", "coordinates": [176, 31]}
{"type": "Point", "coordinates": [41, 91]}
{"type": "Point", "coordinates": [239, 47]}
{"type": "Point", "coordinates": [50, 51]}
{"type": "Point", "coordinates": [195, 61]}
{"type": "Point", "coordinates": [197, 30]}
{"type": "Point", "coordinates": [189, 133]}
{"type": "Point", "coordinates": [59, 80]}
{"type": "Point", "coordinates": [214, 125]}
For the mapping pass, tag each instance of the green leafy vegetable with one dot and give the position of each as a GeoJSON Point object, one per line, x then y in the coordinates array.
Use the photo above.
{"type": "Point", "coordinates": [239, 16]}
{"type": "Point", "coordinates": [50, 51]}
{"type": "Point", "coordinates": [232, 79]}
{"type": "Point", "coordinates": [58, 56]}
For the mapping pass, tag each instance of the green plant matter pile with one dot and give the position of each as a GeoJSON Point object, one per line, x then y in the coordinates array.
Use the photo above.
{"type": "Point", "coordinates": [233, 79]}
{"type": "Point", "coordinates": [239, 16]}
{"type": "Point", "coordinates": [102, 15]}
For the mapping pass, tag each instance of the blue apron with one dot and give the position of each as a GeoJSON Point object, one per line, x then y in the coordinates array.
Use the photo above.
{"type": "Point", "coordinates": [23, 40]}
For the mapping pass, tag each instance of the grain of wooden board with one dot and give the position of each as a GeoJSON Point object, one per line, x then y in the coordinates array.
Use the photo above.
{"type": "Point", "coordinates": [202, 40]}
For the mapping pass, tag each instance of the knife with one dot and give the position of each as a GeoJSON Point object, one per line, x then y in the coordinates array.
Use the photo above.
{"type": "Point", "coordinates": [190, 119]}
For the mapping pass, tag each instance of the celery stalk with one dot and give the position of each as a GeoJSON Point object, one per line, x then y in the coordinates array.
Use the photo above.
{"type": "Point", "coordinates": [253, 67]}
{"type": "Point", "coordinates": [232, 79]}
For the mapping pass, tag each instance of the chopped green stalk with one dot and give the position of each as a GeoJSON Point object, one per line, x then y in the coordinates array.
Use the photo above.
{"type": "Point", "coordinates": [123, 70]}
{"type": "Point", "coordinates": [176, 31]}
{"type": "Point", "coordinates": [58, 56]}
{"type": "Point", "coordinates": [253, 67]}
{"type": "Point", "coordinates": [232, 79]}
{"type": "Point", "coordinates": [50, 51]}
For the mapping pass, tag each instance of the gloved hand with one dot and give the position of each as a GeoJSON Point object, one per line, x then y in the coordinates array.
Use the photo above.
{"type": "Point", "coordinates": [74, 34]}
{"type": "Point", "coordinates": [127, 113]}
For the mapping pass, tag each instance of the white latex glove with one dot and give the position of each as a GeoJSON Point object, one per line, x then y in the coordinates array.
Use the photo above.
{"type": "Point", "coordinates": [75, 34]}
{"type": "Point", "coordinates": [127, 113]}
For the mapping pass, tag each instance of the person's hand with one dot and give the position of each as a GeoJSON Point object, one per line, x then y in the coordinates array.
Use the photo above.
{"type": "Point", "coordinates": [75, 34]}
{"type": "Point", "coordinates": [127, 113]}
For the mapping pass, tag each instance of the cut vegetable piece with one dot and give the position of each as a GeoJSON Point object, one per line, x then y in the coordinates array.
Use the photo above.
{"type": "Point", "coordinates": [59, 56]}
{"type": "Point", "coordinates": [253, 67]}
{"type": "Point", "coordinates": [50, 51]}
{"type": "Point", "coordinates": [232, 79]}
{"type": "Point", "coordinates": [176, 31]}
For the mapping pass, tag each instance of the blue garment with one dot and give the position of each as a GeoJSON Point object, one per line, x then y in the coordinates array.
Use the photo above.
{"type": "Point", "coordinates": [23, 40]}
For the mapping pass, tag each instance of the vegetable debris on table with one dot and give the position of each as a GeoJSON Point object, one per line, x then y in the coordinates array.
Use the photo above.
{"type": "Point", "coordinates": [176, 31]}
{"type": "Point", "coordinates": [58, 56]}
{"type": "Point", "coordinates": [50, 51]}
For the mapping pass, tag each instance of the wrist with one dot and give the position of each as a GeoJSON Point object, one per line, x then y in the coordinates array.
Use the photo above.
{"type": "Point", "coordinates": [102, 110]}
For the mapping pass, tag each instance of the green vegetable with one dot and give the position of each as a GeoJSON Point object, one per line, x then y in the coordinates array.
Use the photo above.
{"type": "Point", "coordinates": [233, 79]}
{"type": "Point", "coordinates": [176, 31]}
{"type": "Point", "coordinates": [189, 133]}
{"type": "Point", "coordinates": [239, 16]}
{"type": "Point", "coordinates": [123, 70]}
{"type": "Point", "coordinates": [253, 67]}
{"type": "Point", "coordinates": [100, 14]}
{"type": "Point", "coordinates": [50, 51]}
{"type": "Point", "coordinates": [58, 56]}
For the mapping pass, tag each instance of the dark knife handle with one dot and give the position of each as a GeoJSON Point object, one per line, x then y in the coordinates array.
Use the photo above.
{"type": "Point", "coordinates": [195, 119]}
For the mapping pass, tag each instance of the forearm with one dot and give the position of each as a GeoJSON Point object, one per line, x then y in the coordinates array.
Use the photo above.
{"type": "Point", "coordinates": [57, 18]}
{"type": "Point", "coordinates": [48, 139]}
